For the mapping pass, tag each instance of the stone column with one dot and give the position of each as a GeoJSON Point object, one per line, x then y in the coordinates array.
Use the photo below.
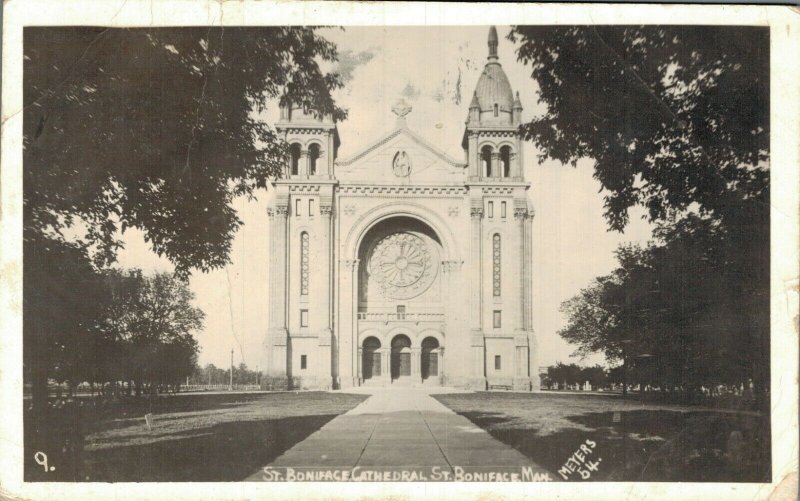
{"type": "Point", "coordinates": [442, 373]}
{"type": "Point", "coordinates": [360, 363]}
{"type": "Point", "coordinates": [348, 323]}
{"type": "Point", "coordinates": [478, 376]}
{"type": "Point", "coordinates": [302, 168]}
{"type": "Point", "coordinates": [454, 307]}
{"type": "Point", "coordinates": [386, 367]}
{"type": "Point", "coordinates": [277, 332]}
{"type": "Point", "coordinates": [527, 271]}
{"type": "Point", "coordinates": [323, 296]}
{"type": "Point", "coordinates": [522, 377]}
{"type": "Point", "coordinates": [416, 364]}
{"type": "Point", "coordinates": [520, 216]}
{"type": "Point", "coordinates": [495, 165]}
{"type": "Point", "coordinates": [476, 310]}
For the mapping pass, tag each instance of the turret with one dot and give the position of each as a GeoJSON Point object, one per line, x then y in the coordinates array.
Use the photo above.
{"type": "Point", "coordinates": [517, 111]}
{"type": "Point", "coordinates": [490, 139]}
{"type": "Point", "coordinates": [313, 142]}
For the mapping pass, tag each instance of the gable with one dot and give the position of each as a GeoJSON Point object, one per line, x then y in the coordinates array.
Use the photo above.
{"type": "Point", "coordinates": [401, 157]}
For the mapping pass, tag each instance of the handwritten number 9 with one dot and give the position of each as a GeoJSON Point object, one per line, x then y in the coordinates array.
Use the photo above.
{"type": "Point", "coordinates": [41, 459]}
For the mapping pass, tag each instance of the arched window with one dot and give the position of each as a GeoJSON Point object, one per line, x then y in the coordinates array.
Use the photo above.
{"type": "Point", "coordinates": [304, 262]}
{"type": "Point", "coordinates": [496, 109]}
{"type": "Point", "coordinates": [486, 161]}
{"type": "Point", "coordinates": [294, 154]}
{"type": "Point", "coordinates": [505, 160]}
{"type": "Point", "coordinates": [496, 265]}
{"type": "Point", "coordinates": [313, 156]}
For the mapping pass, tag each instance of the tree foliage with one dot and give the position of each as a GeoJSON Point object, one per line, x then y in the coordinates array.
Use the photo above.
{"type": "Point", "coordinates": [83, 325]}
{"type": "Point", "coordinates": [62, 296]}
{"type": "Point", "coordinates": [676, 120]}
{"type": "Point", "coordinates": [151, 321]}
{"type": "Point", "coordinates": [677, 312]}
{"type": "Point", "coordinates": [568, 375]}
{"type": "Point", "coordinates": [158, 129]}
{"type": "Point", "coordinates": [673, 117]}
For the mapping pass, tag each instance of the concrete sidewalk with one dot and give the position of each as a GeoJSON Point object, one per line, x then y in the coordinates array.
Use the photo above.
{"type": "Point", "coordinates": [402, 430]}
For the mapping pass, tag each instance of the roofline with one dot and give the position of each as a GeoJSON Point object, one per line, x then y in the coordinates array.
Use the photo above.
{"type": "Point", "coordinates": [414, 136]}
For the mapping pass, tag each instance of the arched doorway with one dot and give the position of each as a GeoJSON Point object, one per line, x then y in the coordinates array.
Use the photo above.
{"type": "Point", "coordinates": [401, 357]}
{"type": "Point", "coordinates": [430, 358]}
{"type": "Point", "coordinates": [371, 361]}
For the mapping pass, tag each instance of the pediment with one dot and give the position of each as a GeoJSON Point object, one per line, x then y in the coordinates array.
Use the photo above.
{"type": "Point", "coordinates": [401, 157]}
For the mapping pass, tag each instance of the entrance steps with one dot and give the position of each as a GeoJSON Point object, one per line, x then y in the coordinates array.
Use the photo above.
{"type": "Point", "coordinates": [403, 382]}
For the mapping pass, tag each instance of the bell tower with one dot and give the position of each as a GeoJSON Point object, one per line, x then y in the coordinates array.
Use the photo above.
{"type": "Point", "coordinates": [503, 344]}
{"type": "Point", "coordinates": [300, 335]}
{"type": "Point", "coordinates": [313, 142]}
{"type": "Point", "coordinates": [490, 142]}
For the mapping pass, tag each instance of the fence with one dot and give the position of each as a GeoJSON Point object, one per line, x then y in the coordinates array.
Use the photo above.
{"type": "Point", "coordinates": [219, 387]}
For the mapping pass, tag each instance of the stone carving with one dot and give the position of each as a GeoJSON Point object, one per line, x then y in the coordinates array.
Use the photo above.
{"type": "Point", "coordinates": [401, 264]}
{"type": "Point", "coordinates": [401, 108]}
{"type": "Point", "coordinates": [349, 209]}
{"type": "Point", "coordinates": [401, 165]}
{"type": "Point", "coordinates": [452, 211]}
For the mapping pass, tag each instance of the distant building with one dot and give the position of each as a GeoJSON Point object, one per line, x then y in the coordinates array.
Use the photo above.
{"type": "Point", "coordinates": [401, 265]}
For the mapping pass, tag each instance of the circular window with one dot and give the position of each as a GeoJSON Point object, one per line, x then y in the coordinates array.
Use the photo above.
{"type": "Point", "coordinates": [401, 263]}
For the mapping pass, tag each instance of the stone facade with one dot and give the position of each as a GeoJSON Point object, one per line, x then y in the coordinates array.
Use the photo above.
{"type": "Point", "coordinates": [401, 265]}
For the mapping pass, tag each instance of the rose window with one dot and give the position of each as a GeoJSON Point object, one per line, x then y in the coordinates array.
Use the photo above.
{"type": "Point", "coordinates": [401, 263]}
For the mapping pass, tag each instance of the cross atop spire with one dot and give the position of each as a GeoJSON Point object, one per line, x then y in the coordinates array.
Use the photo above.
{"type": "Point", "coordinates": [492, 43]}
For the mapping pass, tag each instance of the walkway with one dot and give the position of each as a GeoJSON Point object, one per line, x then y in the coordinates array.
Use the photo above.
{"type": "Point", "coordinates": [401, 432]}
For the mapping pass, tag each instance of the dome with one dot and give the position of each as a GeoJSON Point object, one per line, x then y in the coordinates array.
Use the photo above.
{"type": "Point", "coordinates": [493, 95]}
{"type": "Point", "coordinates": [494, 88]}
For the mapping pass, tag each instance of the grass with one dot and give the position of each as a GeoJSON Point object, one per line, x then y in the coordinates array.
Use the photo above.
{"type": "Point", "coordinates": [646, 442]}
{"type": "Point", "coordinates": [193, 437]}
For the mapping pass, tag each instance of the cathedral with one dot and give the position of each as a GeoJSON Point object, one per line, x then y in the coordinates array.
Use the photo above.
{"type": "Point", "coordinates": [401, 265]}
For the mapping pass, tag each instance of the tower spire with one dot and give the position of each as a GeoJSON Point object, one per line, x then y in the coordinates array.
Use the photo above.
{"type": "Point", "coordinates": [492, 43]}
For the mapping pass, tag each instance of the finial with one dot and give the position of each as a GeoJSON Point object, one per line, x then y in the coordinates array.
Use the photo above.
{"type": "Point", "coordinates": [492, 43]}
{"type": "Point", "coordinates": [401, 109]}
{"type": "Point", "coordinates": [474, 103]}
{"type": "Point", "coordinates": [517, 102]}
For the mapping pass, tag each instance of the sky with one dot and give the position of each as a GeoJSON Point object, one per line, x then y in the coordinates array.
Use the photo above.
{"type": "Point", "coordinates": [434, 69]}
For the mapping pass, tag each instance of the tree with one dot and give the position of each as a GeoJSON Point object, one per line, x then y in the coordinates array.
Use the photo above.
{"type": "Point", "coordinates": [153, 319]}
{"type": "Point", "coordinates": [676, 120]}
{"type": "Point", "coordinates": [158, 129]}
{"type": "Point", "coordinates": [596, 376]}
{"type": "Point", "coordinates": [68, 296]}
{"type": "Point", "coordinates": [673, 117]}
{"type": "Point", "coordinates": [675, 314]}
{"type": "Point", "coordinates": [564, 375]}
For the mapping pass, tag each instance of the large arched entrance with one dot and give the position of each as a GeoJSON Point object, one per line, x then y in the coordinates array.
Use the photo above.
{"type": "Point", "coordinates": [401, 293]}
{"type": "Point", "coordinates": [430, 359]}
{"type": "Point", "coordinates": [401, 357]}
{"type": "Point", "coordinates": [371, 363]}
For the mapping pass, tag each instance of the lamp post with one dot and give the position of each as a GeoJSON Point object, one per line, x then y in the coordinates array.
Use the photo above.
{"type": "Point", "coordinates": [230, 381]}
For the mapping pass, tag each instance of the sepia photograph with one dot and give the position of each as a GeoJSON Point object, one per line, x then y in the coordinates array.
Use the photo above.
{"type": "Point", "coordinates": [472, 252]}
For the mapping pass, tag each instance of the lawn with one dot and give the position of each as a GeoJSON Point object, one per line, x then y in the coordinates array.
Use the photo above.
{"type": "Point", "coordinates": [636, 441]}
{"type": "Point", "coordinates": [219, 437]}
